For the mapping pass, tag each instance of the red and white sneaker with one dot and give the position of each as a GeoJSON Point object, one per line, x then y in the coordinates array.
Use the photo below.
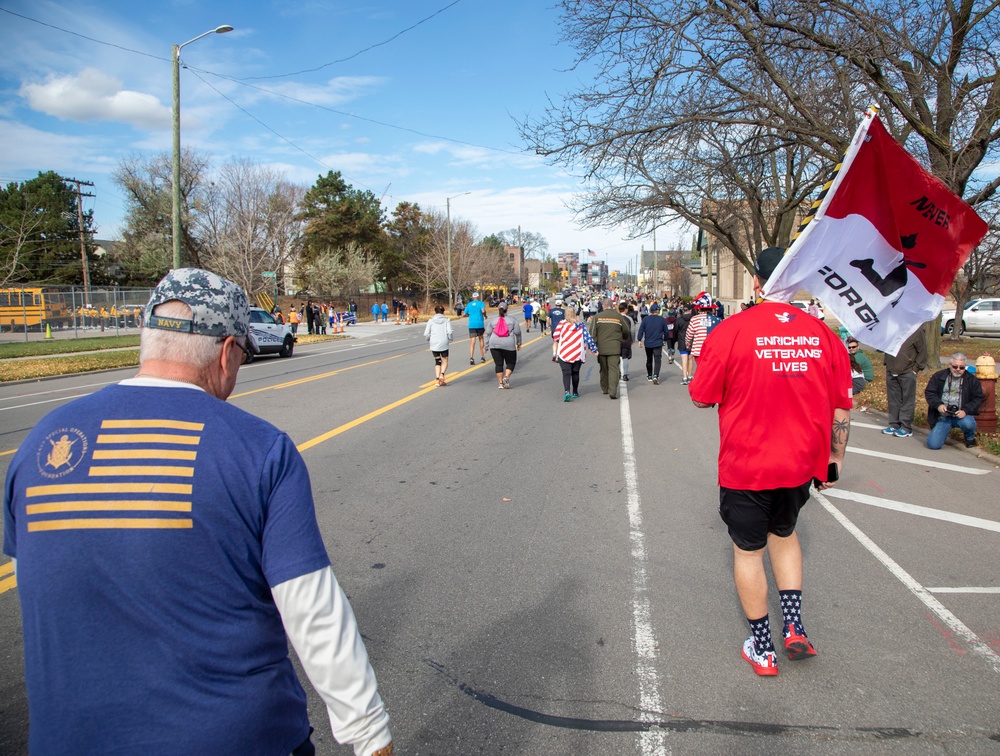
{"type": "Point", "coordinates": [765, 664]}
{"type": "Point", "coordinates": [797, 646]}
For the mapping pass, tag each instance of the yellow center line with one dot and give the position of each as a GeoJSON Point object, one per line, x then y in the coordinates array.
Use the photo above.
{"type": "Point", "coordinates": [364, 419]}
{"type": "Point", "coordinates": [426, 388]}
{"type": "Point", "coordinates": [300, 381]}
{"type": "Point", "coordinates": [6, 569]}
{"type": "Point", "coordinates": [8, 584]}
{"type": "Point", "coordinates": [297, 382]}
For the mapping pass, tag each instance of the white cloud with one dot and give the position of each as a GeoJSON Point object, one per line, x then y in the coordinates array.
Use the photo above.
{"type": "Point", "coordinates": [95, 96]}
{"type": "Point", "coordinates": [337, 91]}
{"type": "Point", "coordinates": [30, 149]}
{"type": "Point", "coordinates": [478, 157]}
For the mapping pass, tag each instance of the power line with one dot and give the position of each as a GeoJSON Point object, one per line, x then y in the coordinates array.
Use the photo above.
{"type": "Point", "coordinates": [359, 52]}
{"type": "Point", "coordinates": [244, 83]}
{"type": "Point", "coordinates": [84, 36]}
{"type": "Point", "coordinates": [352, 115]}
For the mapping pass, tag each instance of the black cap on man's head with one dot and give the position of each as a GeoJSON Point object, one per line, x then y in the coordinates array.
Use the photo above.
{"type": "Point", "coordinates": [767, 261]}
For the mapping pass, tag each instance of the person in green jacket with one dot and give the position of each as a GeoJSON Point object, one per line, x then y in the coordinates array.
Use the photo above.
{"type": "Point", "coordinates": [608, 329]}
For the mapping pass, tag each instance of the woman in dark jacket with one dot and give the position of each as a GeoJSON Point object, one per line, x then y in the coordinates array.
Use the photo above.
{"type": "Point", "coordinates": [681, 329]}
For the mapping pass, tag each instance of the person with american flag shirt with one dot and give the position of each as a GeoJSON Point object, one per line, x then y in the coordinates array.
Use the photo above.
{"type": "Point", "coordinates": [570, 342]}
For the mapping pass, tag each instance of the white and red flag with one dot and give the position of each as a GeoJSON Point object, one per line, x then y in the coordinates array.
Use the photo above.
{"type": "Point", "coordinates": [885, 244]}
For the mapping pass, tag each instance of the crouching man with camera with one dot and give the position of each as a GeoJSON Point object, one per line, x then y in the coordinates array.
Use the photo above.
{"type": "Point", "coordinates": [953, 398]}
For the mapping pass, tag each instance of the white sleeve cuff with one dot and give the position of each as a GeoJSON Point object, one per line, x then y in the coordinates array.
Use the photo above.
{"type": "Point", "coordinates": [320, 623]}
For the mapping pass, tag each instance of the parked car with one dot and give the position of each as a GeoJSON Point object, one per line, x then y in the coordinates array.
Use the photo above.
{"type": "Point", "coordinates": [981, 315]}
{"type": "Point", "coordinates": [272, 337]}
{"type": "Point", "coordinates": [802, 304]}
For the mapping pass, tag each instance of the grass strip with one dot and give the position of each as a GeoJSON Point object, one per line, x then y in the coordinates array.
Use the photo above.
{"type": "Point", "coordinates": [66, 346]}
{"type": "Point", "coordinates": [19, 370]}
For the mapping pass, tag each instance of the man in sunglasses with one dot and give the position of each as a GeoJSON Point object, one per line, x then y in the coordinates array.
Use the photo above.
{"type": "Point", "coordinates": [953, 399]}
{"type": "Point", "coordinates": [166, 550]}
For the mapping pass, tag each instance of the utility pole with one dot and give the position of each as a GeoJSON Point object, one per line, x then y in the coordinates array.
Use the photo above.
{"type": "Point", "coordinates": [83, 245]}
{"type": "Point", "coordinates": [656, 268]}
{"type": "Point", "coordinates": [520, 263]}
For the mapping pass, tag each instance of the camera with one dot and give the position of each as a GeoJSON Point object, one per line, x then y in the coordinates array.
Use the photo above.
{"type": "Point", "coordinates": [952, 409]}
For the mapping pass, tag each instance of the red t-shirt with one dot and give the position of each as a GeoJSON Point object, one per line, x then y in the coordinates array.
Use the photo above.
{"type": "Point", "coordinates": [777, 374]}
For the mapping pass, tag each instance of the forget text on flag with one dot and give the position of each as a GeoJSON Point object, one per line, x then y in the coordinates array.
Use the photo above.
{"type": "Point", "coordinates": [885, 244]}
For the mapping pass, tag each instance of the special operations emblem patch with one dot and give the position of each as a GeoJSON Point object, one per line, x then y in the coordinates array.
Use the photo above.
{"type": "Point", "coordinates": [61, 452]}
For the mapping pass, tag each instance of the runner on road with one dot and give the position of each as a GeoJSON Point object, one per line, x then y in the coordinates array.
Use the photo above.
{"type": "Point", "coordinates": [476, 312]}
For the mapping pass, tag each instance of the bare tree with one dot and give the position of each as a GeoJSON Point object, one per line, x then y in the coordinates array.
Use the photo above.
{"type": "Point", "coordinates": [341, 271]}
{"type": "Point", "coordinates": [18, 236]}
{"type": "Point", "coordinates": [535, 245]}
{"type": "Point", "coordinates": [980, 276]}
{"type": "Point", "coordinates": [729, 114]}
{"type": "Point", "coordinates": [249, 223]}
{"type": "Point", "coordinates": [145, 252]}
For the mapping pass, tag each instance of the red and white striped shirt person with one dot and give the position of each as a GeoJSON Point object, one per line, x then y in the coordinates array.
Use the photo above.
{"type": "Point", "coordinates": [570, 339]}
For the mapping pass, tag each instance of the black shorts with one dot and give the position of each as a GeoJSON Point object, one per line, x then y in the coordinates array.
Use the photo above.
{"type": "Point", "coordinates": [473, 332]}
{"type": "Point", "coordinates": [440, 354]}
{"type": "Point", "coordinates": [751, 515]}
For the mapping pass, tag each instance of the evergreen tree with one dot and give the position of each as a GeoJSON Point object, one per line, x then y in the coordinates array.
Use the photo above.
{"type": "Point", "coordinates": [39, 218]}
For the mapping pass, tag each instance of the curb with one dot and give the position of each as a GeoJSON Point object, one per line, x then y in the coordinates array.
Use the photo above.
{"type": "Point", "coordinates": [976, 451]}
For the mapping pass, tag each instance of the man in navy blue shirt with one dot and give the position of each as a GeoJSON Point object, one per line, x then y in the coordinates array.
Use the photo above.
{"type": "Point", "coordinates": [652, 332]}
{"type": "Point", "coordinates": [166, 549]}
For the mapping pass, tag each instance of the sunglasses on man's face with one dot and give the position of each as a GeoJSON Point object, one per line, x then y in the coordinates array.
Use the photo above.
{"type": "Point", "coordinates": [247, 354]}
{"type": "Point", "coordinates": [245, 346]}
{"type": "Point", "coordinates": [959, 368]}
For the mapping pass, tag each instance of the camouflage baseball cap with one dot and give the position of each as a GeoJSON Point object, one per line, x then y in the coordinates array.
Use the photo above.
{"type": "Point", "coordinates": [218, 306]}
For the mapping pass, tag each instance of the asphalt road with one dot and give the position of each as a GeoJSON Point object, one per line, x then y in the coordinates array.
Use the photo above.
{"type": "Point", "coordinates": [537, 577]}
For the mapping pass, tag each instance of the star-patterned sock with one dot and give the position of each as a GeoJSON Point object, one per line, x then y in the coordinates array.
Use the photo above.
{"type": "Point", "coordinates": [761, 629]}
{"type": "Point", "coordinates": [791, 610]}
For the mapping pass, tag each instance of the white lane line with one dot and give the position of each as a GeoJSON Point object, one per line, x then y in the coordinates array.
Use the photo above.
{"type": "Point", "coordinates": [966, 589]}
{"type": "Point", "coordinates": [918, 461]}
{"type": "Point", "coordinates": [55, 391]}
{"type": "Point", "coordinates": [855, 424]}
{"type": "Point", "coordinates": [899, 506]}
{"type": "Point", "coordinates": [652, 742]}
{"type": "Point", "coordinates": [953, 623]}
{"type": "Point", "coordinates": [47, 401]}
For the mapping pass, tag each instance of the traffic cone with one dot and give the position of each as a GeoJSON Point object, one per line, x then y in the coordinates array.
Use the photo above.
{"type": "Point", "coordinates": [48, 331]}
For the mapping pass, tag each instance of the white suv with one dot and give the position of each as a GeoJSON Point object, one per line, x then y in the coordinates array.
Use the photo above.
{"type": "Point", "coordinates": [272, 337]}
{"type": "Point", "coordinates": [981, 316]}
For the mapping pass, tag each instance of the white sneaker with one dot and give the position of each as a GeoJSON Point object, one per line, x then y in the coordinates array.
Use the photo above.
{"type": "Point", "coordinates": [765, 664]}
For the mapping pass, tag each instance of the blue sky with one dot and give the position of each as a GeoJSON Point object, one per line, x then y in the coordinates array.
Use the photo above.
{"type": "Point", "coordinates": [441, 100]}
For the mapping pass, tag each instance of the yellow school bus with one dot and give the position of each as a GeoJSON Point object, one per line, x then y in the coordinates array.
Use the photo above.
{"type": "Point", "coordinates": [32, 307]}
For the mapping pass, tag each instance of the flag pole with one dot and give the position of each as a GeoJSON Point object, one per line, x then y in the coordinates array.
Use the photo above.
{"type": "Point", "coordinates": [819, 206]}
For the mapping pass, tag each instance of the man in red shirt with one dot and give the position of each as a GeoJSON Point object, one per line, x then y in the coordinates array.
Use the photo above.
{"type": "Point", "coordinates": [782, 381]}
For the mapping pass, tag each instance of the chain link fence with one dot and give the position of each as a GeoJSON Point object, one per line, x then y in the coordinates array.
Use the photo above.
{"type": "Point", "coordinates": [31, 313]}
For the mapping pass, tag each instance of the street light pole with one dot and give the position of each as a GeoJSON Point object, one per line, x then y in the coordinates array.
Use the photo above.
{"type": "Point", "coordinates": [451, 294]}
{"type": "Point", "coordinates": [175, 193]}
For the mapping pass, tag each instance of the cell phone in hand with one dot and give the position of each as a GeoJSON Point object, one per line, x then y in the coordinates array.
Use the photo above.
{"type": "Point", "coordinates": [832, 474]}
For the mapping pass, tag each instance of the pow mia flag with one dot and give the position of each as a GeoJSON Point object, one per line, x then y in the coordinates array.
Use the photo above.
{"type": "Point", "coordinates": [885, 244]}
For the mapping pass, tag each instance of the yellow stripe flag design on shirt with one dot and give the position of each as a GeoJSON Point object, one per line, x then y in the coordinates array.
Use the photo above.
{"type": "Point", "coordinates": [138, 466]}
{"type": "Point", "coordinates": [884, 244]}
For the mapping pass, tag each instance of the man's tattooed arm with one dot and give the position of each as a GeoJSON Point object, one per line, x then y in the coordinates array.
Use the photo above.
{"type": "Point", "coordinates": [841, 432]}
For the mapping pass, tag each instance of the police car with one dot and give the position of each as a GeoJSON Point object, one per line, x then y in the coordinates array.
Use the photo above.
{"type": "Point", "coordinates": [272, 337]}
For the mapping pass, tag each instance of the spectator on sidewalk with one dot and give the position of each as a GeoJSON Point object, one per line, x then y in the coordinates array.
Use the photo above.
{"type": "Point", "coordinates": [901, 383]}
{"type": "Point", "coordinates": [953, 400]}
